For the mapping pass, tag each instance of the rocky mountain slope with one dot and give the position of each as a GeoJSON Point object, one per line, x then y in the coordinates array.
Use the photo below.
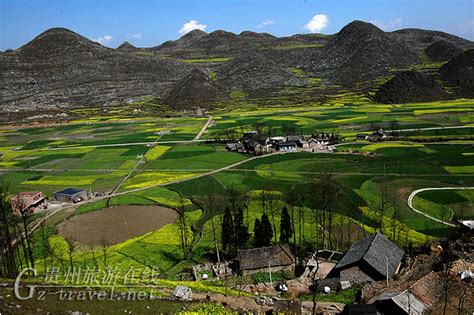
{"type": "Point", "coordinates": [62, 69]}
{"type": "Point", "coordinates": [443, 50]}
{"type": "Point", "coordinates": [459, 72]}
{"type": "Point", "coordinates": [361, 51]}
{"type": "Point", "coordinates": [197, 89]}
{"type": "Point", "coordinates": [252, 72]}
{"type": "Point", "coordinates": [410, 86]}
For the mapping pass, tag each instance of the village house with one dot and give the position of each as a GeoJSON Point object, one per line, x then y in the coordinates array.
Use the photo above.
{"type": "Point", "coordinates": [27, 201]}
{"type": "Point", "coordinates": [362, 136]}
{"type": "Point", "coordinates": [302, 144]}
{"type": "Point", "coordinates": [416, 299]}
{"type": "Point", "coordinates": [378, 135]}
{"type": "Point", "coordinates": [295, 138]}
{"type": "Point", "coordinates": [374, 258]}
{"type": "Point", "coordinates": [286, 146]}
{"type": "Point", "coordinates": [71, 195]}
{"type": "Point", "coordinates": [321, 263]}
{"type": "Point", "coordinates": [265, 259]}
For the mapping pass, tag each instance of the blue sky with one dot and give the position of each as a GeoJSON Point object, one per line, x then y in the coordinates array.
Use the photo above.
{"type": "Point", "coordinates": [148, 23]}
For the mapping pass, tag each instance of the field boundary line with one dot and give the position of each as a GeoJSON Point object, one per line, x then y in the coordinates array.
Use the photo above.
{"type": "Point", "coordinates": [203, 129]}
{"type": "Point", "coordinates": [136, 166]}
{"type": "Point", "coordinates": [416, 192]}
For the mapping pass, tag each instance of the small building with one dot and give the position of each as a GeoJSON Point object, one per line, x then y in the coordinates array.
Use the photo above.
{"type": "Point", "coordinates": [362, 136]}
{"type": "Point", "coordinates": [401, 303]}
{"type": "Point", "coordinates": [318, 144]}
{"type": "Point", "coordinates": [28, 201]}
{"type": "Point", "coordinates": [374, 258]}
{"type": "Point", "coordinates": [321, 263]}
{"type": "Point", "coordinates": [265, 259]}
{"type": "Point", "coordinates": [286, 146]}
{"type": "Point", "coordinates": [295, 138]}
{"type": "Point", "coordinates": [302, 144]}
{"type": "Point", "coordinates": [73, 195]}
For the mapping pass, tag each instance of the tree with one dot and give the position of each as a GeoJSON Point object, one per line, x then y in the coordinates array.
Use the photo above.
{"type": "Point", "coordinates": [257, 233]}
{"type": "Point", "coordinates": [227, 230]}
{"type": "Point", "coordinates": [8, 246]}
{"type": "Point", "coordinates": [241, 231]}
{"type": "Point", "coordinates": [71, 247]}
{"type": "Point", "coordinates": [184, 229]}
{"type": "Point", "coordinates": [104, 243]}
{"type": "Point", "coordinates": [266, 230]}
{"type": "Point", "coordinates": [326, 192]}
{"type": "Point", "coordinates": [286, 230]}
{"type": "Point", "coordinates": [209, 204]}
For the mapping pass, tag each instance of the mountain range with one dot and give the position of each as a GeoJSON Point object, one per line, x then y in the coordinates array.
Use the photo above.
{"type": "Point", "coordinates": [60, 69]}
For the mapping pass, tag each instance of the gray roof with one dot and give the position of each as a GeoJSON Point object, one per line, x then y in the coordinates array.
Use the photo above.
{"type": "Point", "coordinates": [264, 257]}
{"type": "Point", "coordinates": [405, 300]}
{"type": "Point", "coordinates": [376, 250]}
{"type": "Point", "coordinates": [69, 191]}
{"type": "Point", "coordinates": [295, 138]}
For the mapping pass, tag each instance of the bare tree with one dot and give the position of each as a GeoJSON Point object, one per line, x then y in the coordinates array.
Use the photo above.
{"type": "Point", "coordinates": [24, 214]}
{"type": "Point", "coordinates": [8, 248]}
{"type": "Point", "coordinates": [71, 247]}
{"type": "Point", "coordinates": [104, 243]}
{"type": "Point", "coordinates": [209, 203]}
{"type": "Point", "coordinates": [327, 191]}
{"type": "Point", "coordinates": [183, 228]}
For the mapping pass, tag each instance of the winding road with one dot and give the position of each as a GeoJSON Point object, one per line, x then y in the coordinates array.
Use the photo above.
{"type": "Point", "coordinates": [414, 193]}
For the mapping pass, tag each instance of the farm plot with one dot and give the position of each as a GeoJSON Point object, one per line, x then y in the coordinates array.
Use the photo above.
{"type": "Point", "coordinates": [446, 204]}
{"type": "Point", "coordinates": [359, 177]}
{"type": "Point", "coordinates": [346, 117]}
{"type": "Point", "coordinates": [116, 224]}
{"type": "Point", "coordinates": [195, 157]}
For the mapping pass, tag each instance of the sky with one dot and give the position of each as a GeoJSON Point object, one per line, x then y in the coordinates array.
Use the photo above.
{"type": "Point", "coordinates": [147, 23]}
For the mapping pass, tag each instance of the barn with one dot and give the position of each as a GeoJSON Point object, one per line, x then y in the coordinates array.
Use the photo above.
{"type": "Point", "coordinates": [73, 195]}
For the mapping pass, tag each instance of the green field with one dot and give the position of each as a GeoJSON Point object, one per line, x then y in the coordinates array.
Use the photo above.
{"type": "Point", "coordinates": [99, 153]}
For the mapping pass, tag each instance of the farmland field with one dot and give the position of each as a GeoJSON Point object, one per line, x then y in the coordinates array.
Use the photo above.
{"type": "Point", "coordinates": [152, 161]}
{"type": "Point", "coordinates": [116, 224]}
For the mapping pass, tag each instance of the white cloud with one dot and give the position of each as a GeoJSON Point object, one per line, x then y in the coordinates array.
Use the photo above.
{"type": "Point", "coordinates": [136, 36]}
{"type": "Point", "coordinates": [104, 39]}
{"type": "Point", "coordinates": [467, 28]}
{"type": "Point", "coordinates": [318, 23]}
{"type": "Point", "coordinates": [266, 23]}
{"type": "Point", "coordinates": [389, 25]}
{"type": "Point", "coordinates": [192, 25]}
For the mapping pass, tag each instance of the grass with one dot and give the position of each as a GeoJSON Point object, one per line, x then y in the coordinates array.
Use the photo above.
{"type": "Point", "coordinates": [207, 60]}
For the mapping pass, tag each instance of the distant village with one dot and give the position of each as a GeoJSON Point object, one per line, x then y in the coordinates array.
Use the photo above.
{"type": "Point", "coordinates": [255, 143]}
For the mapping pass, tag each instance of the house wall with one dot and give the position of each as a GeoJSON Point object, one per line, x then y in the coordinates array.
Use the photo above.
{"type": "Point", "coordinates": [69, 198]}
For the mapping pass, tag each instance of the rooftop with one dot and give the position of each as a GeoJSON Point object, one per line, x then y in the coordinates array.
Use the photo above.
{"type": "Point", "coordinates": [264, 257]}
{"type": "Point", "coordinates": [69, 191]}
{"type": "Point", "coordinates": [377, 251]}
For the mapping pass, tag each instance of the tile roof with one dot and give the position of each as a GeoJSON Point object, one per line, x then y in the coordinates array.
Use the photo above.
{"type": "Point", "coordinates": [263, 257]}
{"type": "Point", "coordinates": [377, 251]}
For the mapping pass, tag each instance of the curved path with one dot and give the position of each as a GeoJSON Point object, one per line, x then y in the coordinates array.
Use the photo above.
{"type": "Point", "coordinates": [414, 193]}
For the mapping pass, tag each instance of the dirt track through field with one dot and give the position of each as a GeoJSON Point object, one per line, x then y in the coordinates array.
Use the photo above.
{"type": "Point", "coordinates": [116, 224]}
